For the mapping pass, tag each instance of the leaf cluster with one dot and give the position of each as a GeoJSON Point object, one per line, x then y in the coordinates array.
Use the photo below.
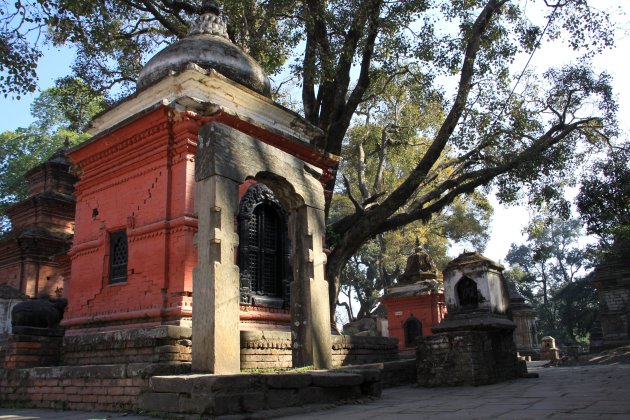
{"type": "Point", "coordinates": [547, 271]}
{"type": "Point", "coordinates": [604, 202]}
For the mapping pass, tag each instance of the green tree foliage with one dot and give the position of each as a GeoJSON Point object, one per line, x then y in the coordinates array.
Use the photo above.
{"type": "Point", "coordinates": [515, 130]}
{"type": "Point", "coordinates": [113, 38]}
{"type": "Point", "coordinates": [546, 271]}
{"type": "Point", "coordinates": [61, 113]}
{"type": "Point", "coordinates": [398, 119]}
{"type": "Point", "coordinates": [604, 203]}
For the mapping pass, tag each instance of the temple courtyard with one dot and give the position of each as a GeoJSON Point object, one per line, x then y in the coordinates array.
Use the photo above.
{"type": "Point", "coordinates": [571, 392]}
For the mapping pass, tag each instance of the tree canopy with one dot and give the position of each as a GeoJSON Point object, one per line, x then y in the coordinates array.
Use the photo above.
{"type": "Point", "coordinates": [604, 202]}
{"type": "Point", "coordinates": [514, 129]}
{"type": "Point", "coordinates": [61, 113]}
{"type": "Point", "coordinates": [548, 271]}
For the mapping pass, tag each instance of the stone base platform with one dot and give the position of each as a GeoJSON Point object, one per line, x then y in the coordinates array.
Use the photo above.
{"type": "Point", "coordinates": [95, 387]}
{"type": "Point", "coordinates": [467, 358]}
{"type": "Point", "coordinates": [259, 349]}
{"type": "Point", "coordinates": [216, 395]}
{"type": "Point", "coordinates": [170, 389]}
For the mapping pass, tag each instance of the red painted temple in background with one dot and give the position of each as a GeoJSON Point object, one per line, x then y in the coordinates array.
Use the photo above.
{"type": "Point", "coordinates": [416, 302]}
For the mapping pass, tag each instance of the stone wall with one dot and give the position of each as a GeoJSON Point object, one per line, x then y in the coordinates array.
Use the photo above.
{"type": "Point", "coordinates": [166, 389]}
{"type": "Point", "coordinates": [148, 345]}
{"type": "Point", "coordinates": [259, 349]}
{"type": "Point", "coordinates": [25, 349]}
{"type": "Point", "coordinates": [466, 358]}
{"type": "Point", "coordinates": [359, 350]}
{"type": "Point", "coordinates": [104, 387]}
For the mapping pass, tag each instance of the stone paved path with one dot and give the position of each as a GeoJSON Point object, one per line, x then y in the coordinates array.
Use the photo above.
{"type": "Point", "coordinates": [583, 392]}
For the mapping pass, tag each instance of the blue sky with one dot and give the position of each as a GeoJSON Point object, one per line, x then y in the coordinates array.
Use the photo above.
{"type": "Point", "coordinates": [54, 64]}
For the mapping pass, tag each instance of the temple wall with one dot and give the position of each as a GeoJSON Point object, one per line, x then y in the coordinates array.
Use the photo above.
{"type": "Point", "coordinates": [428, 309]}
{"type": "Point", "coordinates": [149, 193]}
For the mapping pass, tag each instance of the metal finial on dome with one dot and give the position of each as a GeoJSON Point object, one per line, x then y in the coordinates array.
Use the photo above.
{"type": "Point", "coordinates": [209, 6]}
{"type": "Point", "coordinates": [208, 22]}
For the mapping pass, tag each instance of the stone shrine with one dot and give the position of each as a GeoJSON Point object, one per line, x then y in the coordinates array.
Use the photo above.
{"type": "Point", "coordinates": [612, 281]}
{"type": "Point", "coordinates": [416, 301]}
{"type": "Point", "coordinates": [524, 317]}
{"type": "Point", "coordinates": [200, 188]}
{"type": "Point", "coordinates": [473, 345]}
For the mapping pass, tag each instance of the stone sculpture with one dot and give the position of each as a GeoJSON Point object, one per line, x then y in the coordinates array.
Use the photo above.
{"type": "Point", "coordinates": [42, 312]}
{"type": "Point", "coordinates": [420, 266]}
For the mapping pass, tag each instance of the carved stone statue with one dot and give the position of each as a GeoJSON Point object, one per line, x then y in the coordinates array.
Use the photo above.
{"type": "Point", "coordinates": [42, 312]}
{"type": "Point", "coordinates": [420, 266]}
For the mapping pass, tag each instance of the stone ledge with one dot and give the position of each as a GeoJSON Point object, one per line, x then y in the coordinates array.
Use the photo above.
{"type": "Point", "coordinates": [235, 394]}
{"type": "Point", "coordinates": [112, 339]}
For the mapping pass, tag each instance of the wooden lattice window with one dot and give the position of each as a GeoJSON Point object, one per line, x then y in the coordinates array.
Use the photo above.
{"type": "Point", "coordinates": [263, 249]}
{"type": "Point", "coordinates": [118, 256]}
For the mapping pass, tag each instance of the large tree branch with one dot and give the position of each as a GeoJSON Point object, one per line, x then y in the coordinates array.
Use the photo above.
{"type": "Point", "coordinates": [444, 194]}
{"type": "Point", "coordinates": [399, 196]}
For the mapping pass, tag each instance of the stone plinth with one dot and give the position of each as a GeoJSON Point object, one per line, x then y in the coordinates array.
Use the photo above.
{"type": "Point", "coordinates": [163, 344]}
{"type": "Point", "coordinates": [216, 395]}
{"type": "Point", "coordinates": [474, 343]}
{"type": "Point", "coordinates": [33, 347]}
{"type": "Point", "coordinates": [466, 358]}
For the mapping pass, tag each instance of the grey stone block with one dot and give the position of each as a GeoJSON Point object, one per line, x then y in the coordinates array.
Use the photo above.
{"type": "Point", "coordinates": [288, 380]}
{"type": "Point", "coordinates": [238, 403]}
{"type": "Point", "coordinates": [278, 398]}
{"type": "Point", "coordinates": [166, 402]}
{"type": "Point", "coordinates": [179, 384]}
{"type": "Point", "coordinates": [196, 404]}
{"type": "Point", "coordinates": [329, 379]}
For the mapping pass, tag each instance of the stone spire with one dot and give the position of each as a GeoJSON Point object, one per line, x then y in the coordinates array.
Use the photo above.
{"type": "Point", "coordinates": [209, 21]}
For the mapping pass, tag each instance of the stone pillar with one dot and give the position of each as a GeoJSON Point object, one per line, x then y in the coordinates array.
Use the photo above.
{"type": "Point", "coordinates": [215, 324]}
{"type": "Point", "coordinates": [310, 314]}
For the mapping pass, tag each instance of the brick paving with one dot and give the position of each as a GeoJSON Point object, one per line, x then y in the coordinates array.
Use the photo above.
{"type": "Point", "coordinates": [580, 392]}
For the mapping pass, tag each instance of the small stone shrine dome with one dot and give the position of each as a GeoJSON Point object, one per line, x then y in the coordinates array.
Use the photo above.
{"type": "Point", "coordinates": [208, 46]}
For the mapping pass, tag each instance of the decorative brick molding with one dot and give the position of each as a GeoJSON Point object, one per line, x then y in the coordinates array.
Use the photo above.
{"type": "Point", "coordinates": [359, 350]}
{"type": "Point", "coordinates": [272, 350]}
{"type": "Point", "coordinates": [166, 343]}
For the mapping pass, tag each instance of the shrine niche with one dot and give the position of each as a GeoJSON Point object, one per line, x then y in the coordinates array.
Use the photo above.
{"type": "Point", "coordinates": [467, 293]}
{"type": "Point", "coordinates": [263, 252]}
{"type": "Point", "coordinates": [164, 219]}
{"type": "Point", "coordinates": [413, 330]}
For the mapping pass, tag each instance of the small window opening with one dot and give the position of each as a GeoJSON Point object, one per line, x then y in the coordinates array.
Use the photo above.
{"type": "Point", "coordinates": [118, 257]}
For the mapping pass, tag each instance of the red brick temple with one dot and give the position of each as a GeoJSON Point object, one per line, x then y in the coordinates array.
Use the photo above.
{"type": "Point", "coordinates": [416, 302]}
{"type": "Point", "coordinates": [33, 255]}
{"type": "Point", "coordinates": [134, 248]}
